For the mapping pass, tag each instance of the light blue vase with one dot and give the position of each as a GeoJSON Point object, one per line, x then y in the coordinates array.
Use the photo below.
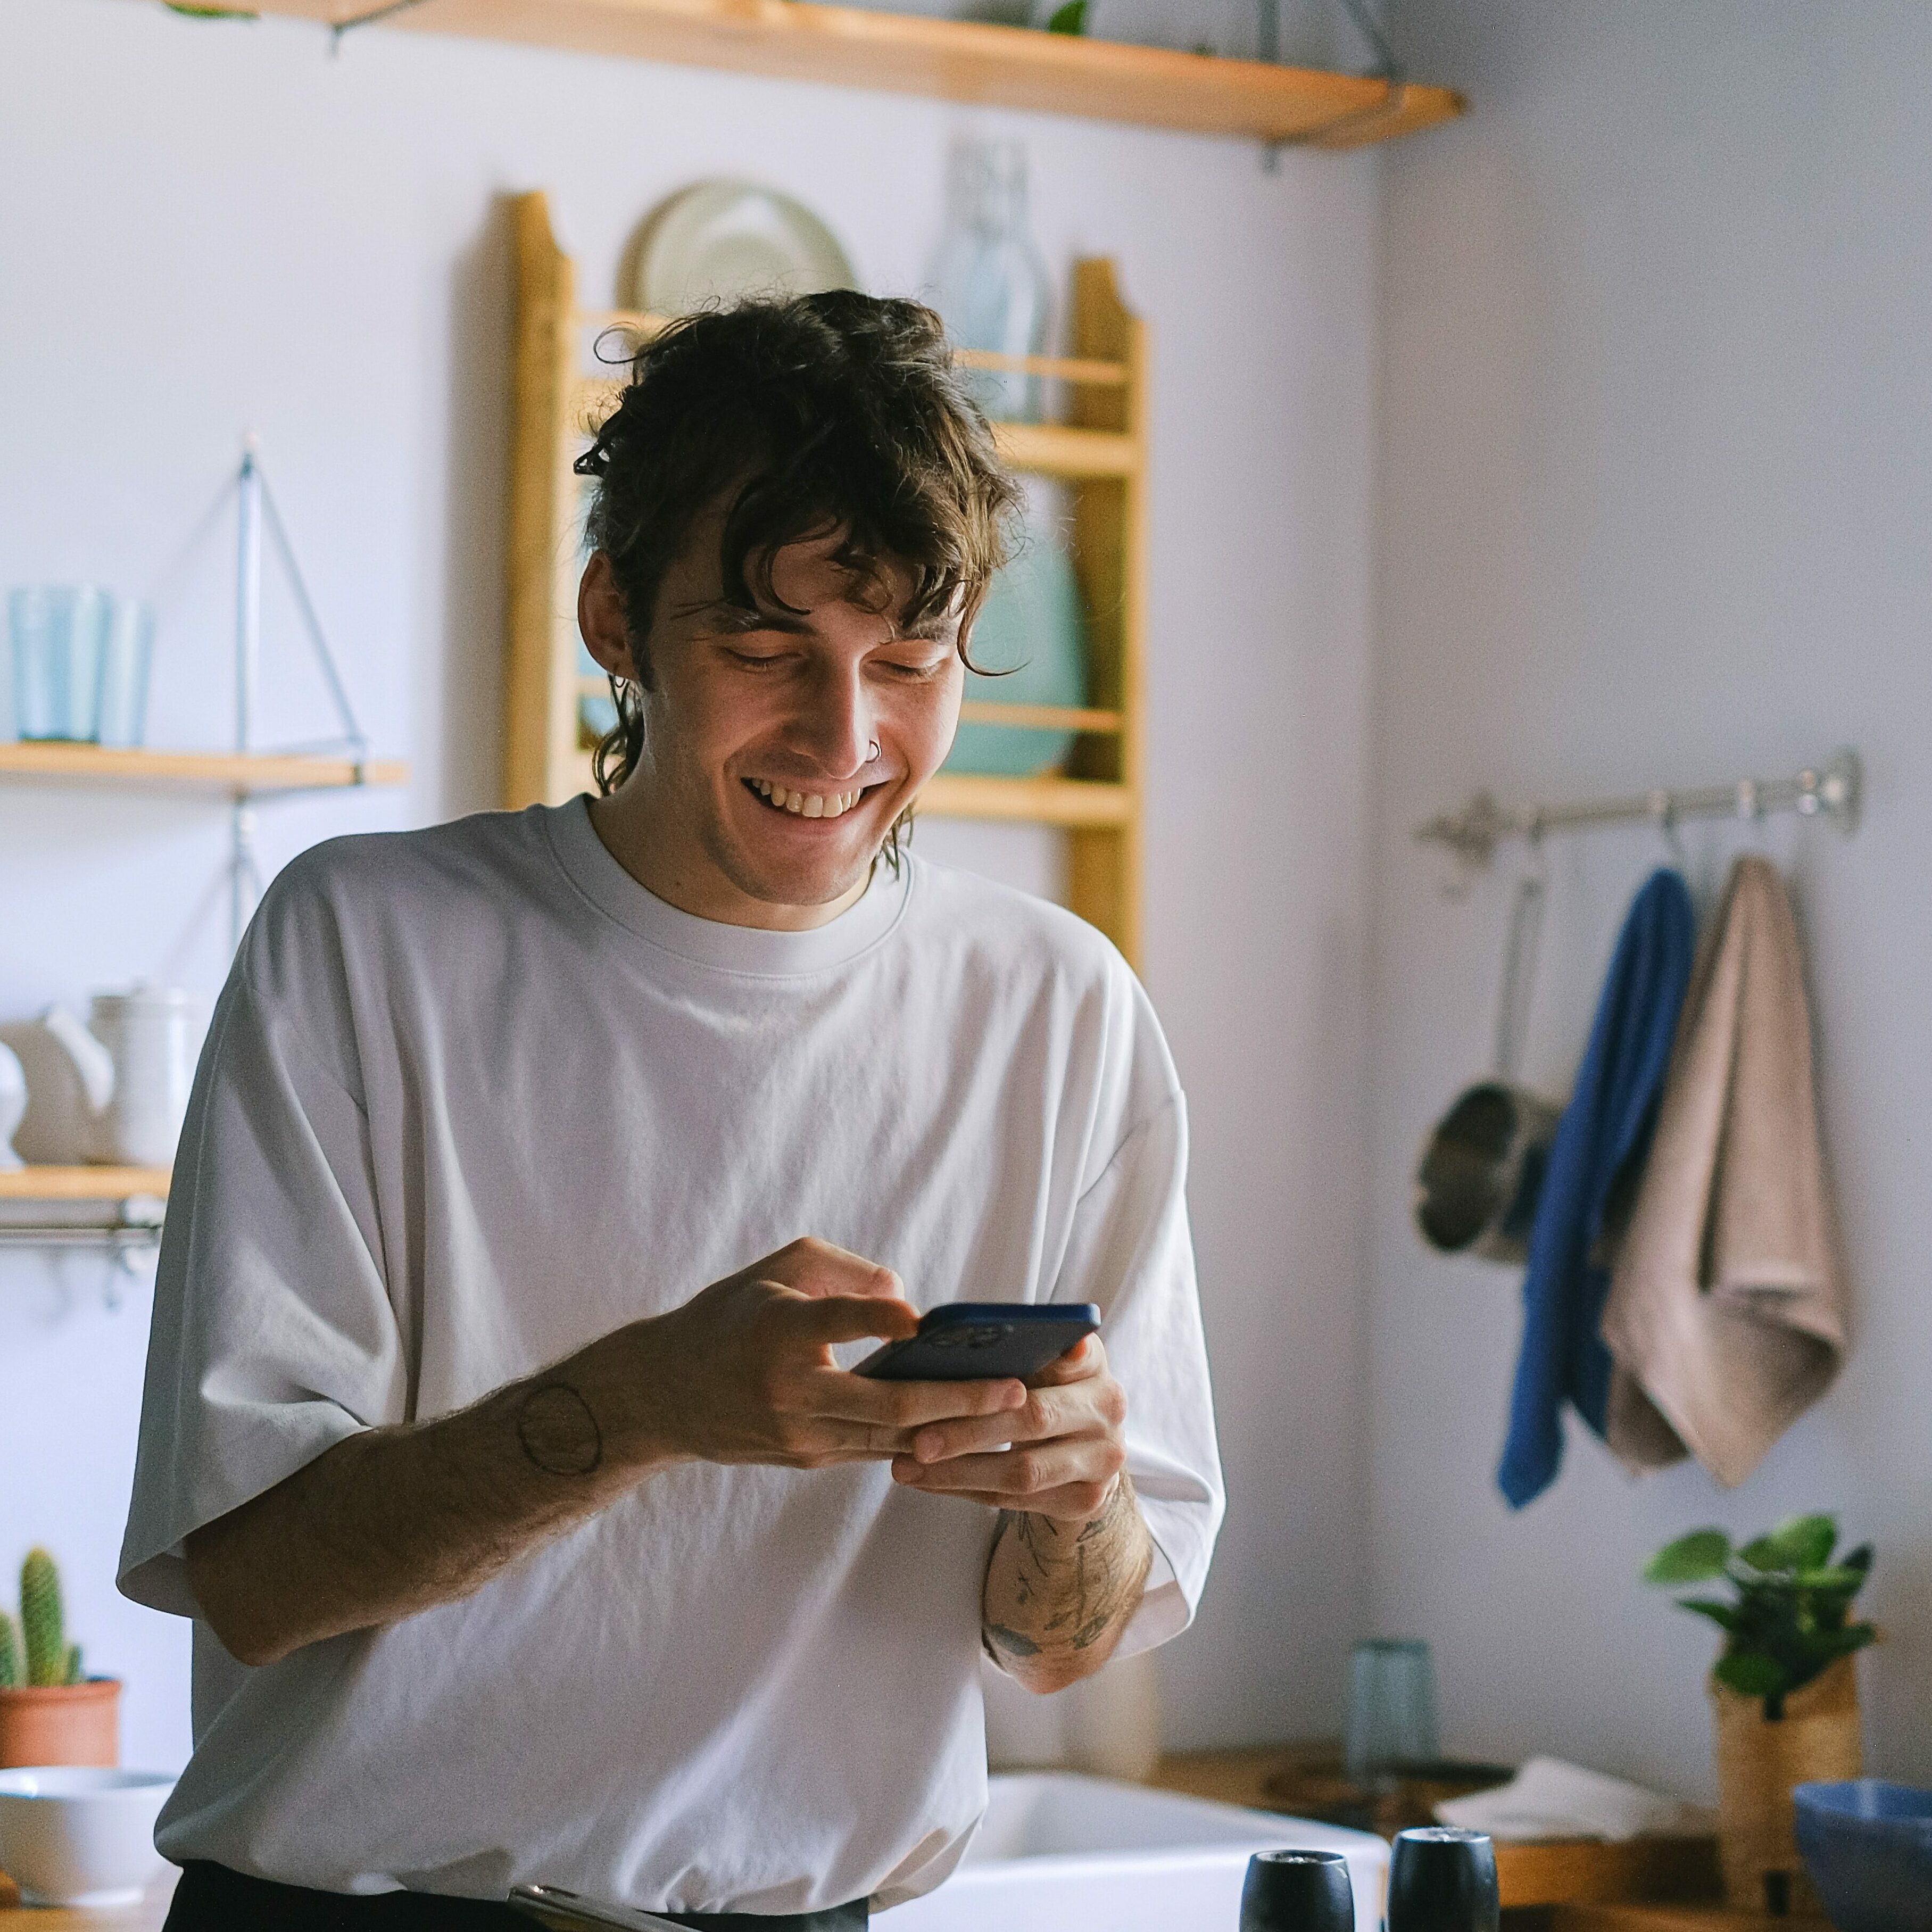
{"type": "Point", "coordinates": [1033, 627]}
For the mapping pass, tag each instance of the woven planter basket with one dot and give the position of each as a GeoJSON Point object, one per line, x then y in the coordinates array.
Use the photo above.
{"type": "Point", "coordinates": [1758, 1763]}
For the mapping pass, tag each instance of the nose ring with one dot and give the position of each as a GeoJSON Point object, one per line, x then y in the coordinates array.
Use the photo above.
{"type": "Point", "coordinates": [872, 751]}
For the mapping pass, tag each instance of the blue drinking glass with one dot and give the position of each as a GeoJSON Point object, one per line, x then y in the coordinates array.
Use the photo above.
{"type": "Point", "coordinates": [126, 647]}
{"type": "Point", "coordinates": [58, 633]}
{"type": "Point", "coordinates": [1391, 1708]}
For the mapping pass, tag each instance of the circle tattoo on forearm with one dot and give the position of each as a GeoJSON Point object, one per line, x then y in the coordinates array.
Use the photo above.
{"type": "Point", "coordinates": [557, 1432]}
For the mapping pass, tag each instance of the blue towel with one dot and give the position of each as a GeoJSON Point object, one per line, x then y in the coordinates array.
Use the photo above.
{"type": "Point", "coordinates": [1605, 1129]}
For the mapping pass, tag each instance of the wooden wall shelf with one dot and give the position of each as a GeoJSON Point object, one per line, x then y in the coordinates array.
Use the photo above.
{"type": "Point", "coordinates": [1073, 803]}
{"type": "Point", "coordinates": [952, 60]}
{"type": "Point", "coordinates": [556, 403]}
{"type": "Point", "coordinates": [81, 1183]}
{"type": "Point", "coordinates": [194, 771]}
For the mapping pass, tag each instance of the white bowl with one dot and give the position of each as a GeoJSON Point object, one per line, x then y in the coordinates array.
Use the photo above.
{"type": "Point", "coordinates": [73, 1834]}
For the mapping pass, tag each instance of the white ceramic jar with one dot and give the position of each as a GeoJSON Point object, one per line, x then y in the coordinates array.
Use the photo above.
{"type": "Point", "coordinates": [151, 1035]}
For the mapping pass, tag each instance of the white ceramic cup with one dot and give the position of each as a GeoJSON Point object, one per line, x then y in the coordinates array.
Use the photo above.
{"type": "Point", "coordinates": [77, 1834]}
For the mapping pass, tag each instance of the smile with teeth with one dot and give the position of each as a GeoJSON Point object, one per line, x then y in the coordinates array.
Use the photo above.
{"type": "Point", "coordinates": [805, 804]}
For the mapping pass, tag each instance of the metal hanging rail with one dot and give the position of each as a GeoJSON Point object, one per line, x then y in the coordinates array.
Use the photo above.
{"type": "Point", "coordinates": [1832, 791]}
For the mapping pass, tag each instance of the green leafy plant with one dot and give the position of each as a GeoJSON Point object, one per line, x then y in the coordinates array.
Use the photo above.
{"type": "Point", "coordinates": [1070, 19]}
{"type": "Point", "coordinates": [1788, 1623]}
{"type": "Point", "coordinates": [42, 1655]}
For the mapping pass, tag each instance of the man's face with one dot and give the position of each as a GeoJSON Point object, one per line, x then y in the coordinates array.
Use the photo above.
{"type": "Point", "coordinates": [780, 745]}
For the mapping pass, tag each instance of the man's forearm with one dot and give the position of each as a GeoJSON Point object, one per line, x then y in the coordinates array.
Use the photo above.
{"type": "Point", "coordinates": [1058, 1594]}
{"type": "Point", "coordinates": [394, 1521]}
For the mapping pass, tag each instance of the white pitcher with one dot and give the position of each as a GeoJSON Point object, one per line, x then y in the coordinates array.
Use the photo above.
{"type": "Point", "coordinates": [135, 1062]}
{"type": "Point", "coordinates": [12, 1104]}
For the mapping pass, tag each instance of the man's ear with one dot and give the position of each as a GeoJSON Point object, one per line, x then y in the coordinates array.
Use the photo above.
{"type": "Point", "coordinates": [601, 620]}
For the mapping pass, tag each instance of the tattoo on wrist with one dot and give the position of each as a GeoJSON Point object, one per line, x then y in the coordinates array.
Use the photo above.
{"type": "Point", "coordinates": [557, 1432]}
{"type": "Point", "coordinates": [1073, 1584]}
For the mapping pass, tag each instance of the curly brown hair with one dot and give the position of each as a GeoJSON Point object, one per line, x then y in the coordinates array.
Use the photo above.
{"type": "Point", "coordinates": [838, 413]}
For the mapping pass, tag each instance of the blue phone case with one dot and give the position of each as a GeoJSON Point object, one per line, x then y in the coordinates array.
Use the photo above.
{"type": "Point", "coordinates": [983, 1341]}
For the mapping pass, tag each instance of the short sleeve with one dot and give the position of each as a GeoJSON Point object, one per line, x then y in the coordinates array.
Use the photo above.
{"type": "Point", "coordinates": [1131, 1251]}
{"type": "Point", "coordinates": [274, 1337]}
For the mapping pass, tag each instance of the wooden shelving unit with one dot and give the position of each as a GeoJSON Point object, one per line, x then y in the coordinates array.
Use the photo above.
{"type": "Point", "coordinates": [953, 60]}
{"type": "Point", "coordinates": [1100, 452]}
{"type": "Point", "coordinates": [81, 1183]}
{"type": "Point", "coordinates": [193, 771]}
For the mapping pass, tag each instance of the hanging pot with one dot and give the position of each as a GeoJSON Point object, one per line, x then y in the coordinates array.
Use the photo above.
{"type": "Point", "coordinates": [1759, 1759]}
{"type": "Point", "coordinates": [1481, 1171]}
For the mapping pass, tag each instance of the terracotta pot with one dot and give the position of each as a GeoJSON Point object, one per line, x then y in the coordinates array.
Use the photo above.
{"type": "Point", "coordinates": [1758, 1762]}
{"type": "Point", "coordinates": [67, 1723]}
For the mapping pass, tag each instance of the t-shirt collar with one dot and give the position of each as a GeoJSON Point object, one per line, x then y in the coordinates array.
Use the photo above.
{"type": "Point", "coordinates": [709, 942]}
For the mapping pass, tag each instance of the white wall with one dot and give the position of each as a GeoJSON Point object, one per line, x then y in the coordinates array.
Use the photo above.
{"type": "Point", "coordinates": [1655, 406]}
{"type": "Point", "coordinates": [205, 227]}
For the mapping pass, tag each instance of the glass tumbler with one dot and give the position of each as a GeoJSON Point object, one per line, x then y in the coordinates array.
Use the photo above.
{"type": "Point", "coordinates": [57, 632]}
{"type": "Point", "coordinates": [126, 646]}
{"type": "Point", "coordinates": [1391, 1708]}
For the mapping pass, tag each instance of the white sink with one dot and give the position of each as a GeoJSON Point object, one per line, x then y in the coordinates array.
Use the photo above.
{"type": "Point", "coordinates": [1060, 1853]}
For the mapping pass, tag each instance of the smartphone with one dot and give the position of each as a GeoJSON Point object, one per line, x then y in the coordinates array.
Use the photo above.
{"type": "Point", "coordinates": [983, 1341]}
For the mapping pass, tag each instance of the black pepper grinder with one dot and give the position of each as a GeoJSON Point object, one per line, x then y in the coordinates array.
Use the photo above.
{"type": "Point", "coordinates": [1442, 1880]}
{"type": "Point", "coordinates": [1298, 1891]}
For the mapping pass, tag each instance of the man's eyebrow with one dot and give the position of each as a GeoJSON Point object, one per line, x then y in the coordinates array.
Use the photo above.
{"type": "Point", "coordinates": [723, 615]}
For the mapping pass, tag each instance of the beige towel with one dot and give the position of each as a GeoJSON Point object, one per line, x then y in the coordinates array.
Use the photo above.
{"type": "Point", "coordinates": [1726, 1313]}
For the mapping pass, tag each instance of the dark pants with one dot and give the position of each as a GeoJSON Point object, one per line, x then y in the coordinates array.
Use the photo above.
{"type": "Point", "coordinates": [212, 1898]}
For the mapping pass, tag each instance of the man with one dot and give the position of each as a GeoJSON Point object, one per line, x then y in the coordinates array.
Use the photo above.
{"type": "Point", "coordinates": [516, 1553]}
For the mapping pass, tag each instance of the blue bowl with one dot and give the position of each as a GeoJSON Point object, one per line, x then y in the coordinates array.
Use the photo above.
{"type": "Point", "coordinates": [1867, 1846]}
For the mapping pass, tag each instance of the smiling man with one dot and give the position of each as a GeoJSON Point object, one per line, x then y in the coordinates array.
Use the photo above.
{"type": "Point", "coordinates": [517, 1554]}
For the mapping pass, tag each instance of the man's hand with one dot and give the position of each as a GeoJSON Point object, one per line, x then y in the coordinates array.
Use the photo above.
{"type": "Point", "coordinates": [391, 1522]}
{"type": "Point", "coordinates": [1071, 1554]}
{"type": "Point", "coordinates": [1057, 1456]}
{"type": "Point", "coordinates": [743, 1371]}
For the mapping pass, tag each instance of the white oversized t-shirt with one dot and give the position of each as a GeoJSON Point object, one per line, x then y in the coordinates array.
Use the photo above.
{"type": "Point", "coordinates": [472, 1098]}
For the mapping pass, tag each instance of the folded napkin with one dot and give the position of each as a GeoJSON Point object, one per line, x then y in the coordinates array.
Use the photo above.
{"type": "Point", "coordinates": [1599, 1147]}
{"type": "Point", "coordinates": [1727, 1312]}
{"type": "Point", "coordinates": [1548, 1798]}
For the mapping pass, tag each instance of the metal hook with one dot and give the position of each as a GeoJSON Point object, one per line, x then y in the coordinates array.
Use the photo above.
{"type": "Point", "coordinates": [1663, 811]}
{"type": "Point", "coordinates": [1525, 930]}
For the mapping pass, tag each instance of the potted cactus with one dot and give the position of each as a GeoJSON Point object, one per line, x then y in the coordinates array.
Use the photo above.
{"type": "Point", "coordinates": [50, 1713]}
{"type": "Point", "coordinates": [1786, 1701]}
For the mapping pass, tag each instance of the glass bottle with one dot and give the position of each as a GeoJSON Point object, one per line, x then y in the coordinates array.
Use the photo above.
{"type": "Point", "coordinates": [990, 286]}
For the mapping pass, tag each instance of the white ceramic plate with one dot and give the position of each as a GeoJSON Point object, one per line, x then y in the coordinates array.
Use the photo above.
{"type": "Point", "coordinates": [722, 240]}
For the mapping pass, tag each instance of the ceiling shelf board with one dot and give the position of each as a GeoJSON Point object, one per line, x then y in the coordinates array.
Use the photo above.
{"type": "Point", "coordinates": [950, 60]}
{"type": "Point", "coordinates": [81, 1184]}
{"type": "Point", "coordinates": [197, 771]}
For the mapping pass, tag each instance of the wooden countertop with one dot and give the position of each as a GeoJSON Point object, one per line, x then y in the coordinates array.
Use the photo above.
{"type": "Point", "coordinates": [1234, 1777]}
{"type": "Point", "coordinates": [146, 1917]}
